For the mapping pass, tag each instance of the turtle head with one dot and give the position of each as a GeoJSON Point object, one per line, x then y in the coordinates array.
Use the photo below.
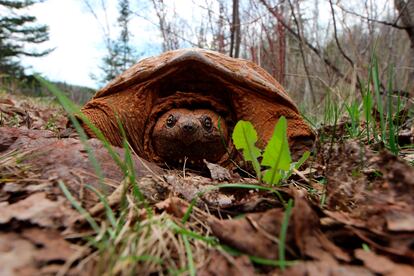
{"type": "Point", "coordinates": [195, 134]}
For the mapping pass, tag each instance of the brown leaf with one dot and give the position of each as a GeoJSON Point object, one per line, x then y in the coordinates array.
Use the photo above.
{"type": "Point", "coordinates": [318, 268]}
{"type": "Point", "coordinates": [38, 209]}
{"type": "Point", "coordinates": [7, 102]}
{"type": "Point", "coordinates": [51, 245]}
{"type": "Point", "coordinates": [345, 218]}
{"type": "Point", "coordinates": [199, 188]}
{"type": "Point", "coordinates": [15, 254]}
{"type": "Point", "coordinates": [382, 265]}
{"type": "Point", "coordinates": [56, 159]}
{"type": "Point", "coordinates": [399, 220]}
{"type": "Point", "coordinates": [399, 174]}
{"type": "Point", "coordinates": [220, 264]}
{"type": "Point", "coordinates": [308, 236]}
{"type": "Point", "coordinates": [174, 205]}
{"type": "Point", "coordinates": [254, 234]}
{"type": "Point", "coordinates": [217, 172]}
{"type": "Point", "coordinates": [31, 251]}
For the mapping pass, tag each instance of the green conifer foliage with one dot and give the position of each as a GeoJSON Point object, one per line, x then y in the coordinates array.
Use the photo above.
{"type": "Point", "coordinates": [16, 33]}
{"type": "Point", "coordinates": [120, 54]}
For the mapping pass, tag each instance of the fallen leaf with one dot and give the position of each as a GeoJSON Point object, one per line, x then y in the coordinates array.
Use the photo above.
{"type": "Point", "coordinates": [256, 234]}
{"type": "Point", "coordinates": [51, 246]}
{"type": "Point", "coordinates": [308, 236]}
{"type": "Point", "coordinates": [217, 172]}
{"type": "Point", "coordinates": [399, 221]}
{"type": "Point", "coordinates": [382, 265]}
{"type": "Point", "coordinates": [15, 253]}
{"type": "Point", "coordinates": [39, 210]}
{"type": "Point", "coordinates": [318, 268]}
{"type": "Point", "coordinates": [219, 264]}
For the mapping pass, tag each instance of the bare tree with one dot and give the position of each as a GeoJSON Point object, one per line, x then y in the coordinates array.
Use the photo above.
{"type": "Point", "coordinates": [235, 31]}
{"type": "Point", "coordinates": [301, 37]}
{"type": "Point", "coordinates": [281, 56]}
{"type": "Point", "coordinates": [170, 40]}
{"type": "Point", "coordinates": [338, 44]}
{"type": "Point", "coordinates": [406, 14]}
{"type": "Point", "coordinates": [315, 50]}
{"type": "Point", "coordinates": [219, 33]}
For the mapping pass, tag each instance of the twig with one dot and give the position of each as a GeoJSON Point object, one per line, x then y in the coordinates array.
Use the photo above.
{"type": "Point", "coordinates": [386, 23]}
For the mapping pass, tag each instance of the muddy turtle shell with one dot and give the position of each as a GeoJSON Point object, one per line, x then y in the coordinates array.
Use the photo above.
{"type": "Point", "coordinates": [194, 78]}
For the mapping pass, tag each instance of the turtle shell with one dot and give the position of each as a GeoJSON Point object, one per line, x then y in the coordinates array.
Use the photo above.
{"type": "Point", "coordinates": [194, 78]}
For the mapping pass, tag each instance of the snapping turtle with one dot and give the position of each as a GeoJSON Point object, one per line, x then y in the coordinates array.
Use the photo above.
{"type": "Point", "coordinates": [183, 105]}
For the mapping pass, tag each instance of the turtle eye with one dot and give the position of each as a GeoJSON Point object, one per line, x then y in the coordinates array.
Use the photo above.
{"type": "Point", "coordinates": [171, 121]}
{"type": "Point", "coordinates": [207, 123]}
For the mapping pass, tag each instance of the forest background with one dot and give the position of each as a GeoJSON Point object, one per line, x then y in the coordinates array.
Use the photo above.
{"type": "Point", "coordinates": [313, 48]}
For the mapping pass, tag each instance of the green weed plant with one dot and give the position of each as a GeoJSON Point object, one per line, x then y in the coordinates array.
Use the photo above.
{"type": "Point", "coordinates": [276, 161]}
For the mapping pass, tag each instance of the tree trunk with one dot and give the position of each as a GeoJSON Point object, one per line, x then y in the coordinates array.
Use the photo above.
{"type": "Point", "coordinates": [406, 11]}
{"type": "Point", "coordinates": [235, 38]}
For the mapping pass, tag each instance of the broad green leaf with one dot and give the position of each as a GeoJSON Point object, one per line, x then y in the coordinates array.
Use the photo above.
{"type": "Point", "coordinates": [277, 153]}
{"type": "Point", "coordinates": [245, 138]}
{"type": "Point", "coordinates": [272, 176]}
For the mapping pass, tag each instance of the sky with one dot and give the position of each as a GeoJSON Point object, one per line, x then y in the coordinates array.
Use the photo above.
{"type": "Point", "coordinates": [78, 40]}
{"type": "Point", "coordinates": [77, 37]}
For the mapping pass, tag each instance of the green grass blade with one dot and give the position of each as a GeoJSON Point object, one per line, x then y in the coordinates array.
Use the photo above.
{"type": "Point", "coordinates": [130, 165]}
{"type": "Point", "coordinates": [78, 207]}
{"type": "Point", "coordinates": [108, 210]}
{"type": "Point", "coordinates": [368, 107]}
{"type": "Point", "coordinates": [269, 262]}
{"type": "Point", "coordinates": [190, 260]}
{"type": "Point", "coordinates": [377, 91]}
{"type": "Point", "coordinates": [182, 231]}
{"type": "Point", "coordinates": [190, 207]}
{"type": "Point", "coordinates": [392, 130]}
{"type": "Point", "coordinates": [299, 163]}
{"type": "Point", "coordinates": [302, 160]}
{"type": "Point", "coordinates": [72, 110]}
{"type": "Point", "coordinates": [354, 115]}
{"type": "Point", "coordinates": [142, 258]}
{"type": "Point", "coordinates": [283, 233]}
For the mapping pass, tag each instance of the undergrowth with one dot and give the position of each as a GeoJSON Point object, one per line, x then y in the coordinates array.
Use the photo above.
{"type": "Point", "coordinates": [132, 239]}
{"type": "Point", "coordinates": [376, 116]}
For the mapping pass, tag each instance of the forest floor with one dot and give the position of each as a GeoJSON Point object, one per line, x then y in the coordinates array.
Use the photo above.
{"type": "Point", "coordinates": [348, 211]}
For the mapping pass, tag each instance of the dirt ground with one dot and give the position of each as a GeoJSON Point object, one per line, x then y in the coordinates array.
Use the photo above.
{"type": "Point", "coordinates": [353, 211]}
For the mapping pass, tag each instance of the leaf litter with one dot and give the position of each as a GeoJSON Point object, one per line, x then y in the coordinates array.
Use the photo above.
{"type": "Point", "coordinates": [353, 210]}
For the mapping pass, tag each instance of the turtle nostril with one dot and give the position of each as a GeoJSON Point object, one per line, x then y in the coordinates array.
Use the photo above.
{"type": "Point", "coordinates": [189, 127]}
